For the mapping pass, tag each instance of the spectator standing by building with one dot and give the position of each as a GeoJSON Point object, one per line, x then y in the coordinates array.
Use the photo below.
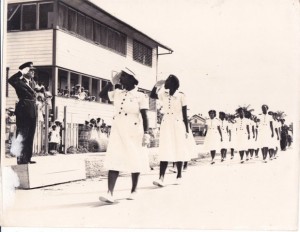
{"type": "Point", "coordinates": [54, 140]}
{"type": "Point", "coordinates": [11, 123]}
{"type": "Point", "coordinates": [40, 108]}
{"type": "Point", "coordinates": [48, 99]}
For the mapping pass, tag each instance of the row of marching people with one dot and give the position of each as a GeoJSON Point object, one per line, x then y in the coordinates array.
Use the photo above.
{"type": "Point", "coordinates": [130, 130]}
{"type": "Point", "coordinates": [246, 133]}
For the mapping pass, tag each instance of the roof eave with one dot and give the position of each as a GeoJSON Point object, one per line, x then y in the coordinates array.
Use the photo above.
{"type": "Point", "coordinates": [129, 26]}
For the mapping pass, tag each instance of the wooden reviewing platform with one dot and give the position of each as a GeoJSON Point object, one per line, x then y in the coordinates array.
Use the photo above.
{"type": "Point", "coordinates": [50, 171]}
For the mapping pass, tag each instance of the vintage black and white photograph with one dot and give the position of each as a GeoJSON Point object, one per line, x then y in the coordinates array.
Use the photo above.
{"type": "Point", "coordinates": [139, 114]}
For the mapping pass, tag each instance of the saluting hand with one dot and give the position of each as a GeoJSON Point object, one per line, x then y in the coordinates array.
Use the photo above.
{"type": "Point", "coordinates": [160, 83]}
{"type": "Point", "coordinates": [25, 70]}
{"type": "Point", "coordinates": [116, 78]}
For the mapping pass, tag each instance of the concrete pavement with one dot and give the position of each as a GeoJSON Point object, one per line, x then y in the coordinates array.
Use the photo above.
{"type": "Point", "coordinates": [227, 195]}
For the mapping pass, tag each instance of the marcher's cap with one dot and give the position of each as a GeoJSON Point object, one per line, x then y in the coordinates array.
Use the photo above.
{"type": "Point", "coordinates": [10, 109]}
{"type": "Point", "coordinates": [78, 85]}
{"type": "Point", "coordinates": [27, 64]}
{"type": "Point", "coordinates": [130, 73]}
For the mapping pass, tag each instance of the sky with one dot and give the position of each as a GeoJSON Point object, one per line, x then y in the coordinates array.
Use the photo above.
{"type": "Point", "coordinates": [227, 53]}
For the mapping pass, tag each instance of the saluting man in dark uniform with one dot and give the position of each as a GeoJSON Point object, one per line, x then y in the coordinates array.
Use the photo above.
{"type": "Point", "coordinates": [25, 111]}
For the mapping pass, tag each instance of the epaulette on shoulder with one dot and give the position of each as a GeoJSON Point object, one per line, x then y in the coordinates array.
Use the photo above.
{"type": "Point", "coordinates": [181, 92]}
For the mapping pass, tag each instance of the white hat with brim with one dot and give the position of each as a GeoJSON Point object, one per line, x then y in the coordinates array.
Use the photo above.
{"type": "Point", "coordinates": [130, 72]}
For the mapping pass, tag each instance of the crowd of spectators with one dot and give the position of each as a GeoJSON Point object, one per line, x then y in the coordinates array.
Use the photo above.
{"type": "Point", "coordinates": [77, 92]}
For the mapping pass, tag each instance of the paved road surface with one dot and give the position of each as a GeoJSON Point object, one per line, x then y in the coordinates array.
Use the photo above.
{"type": "Point", "coordinates": [226, 195]}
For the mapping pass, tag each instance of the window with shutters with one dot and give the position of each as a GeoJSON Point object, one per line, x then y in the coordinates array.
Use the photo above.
{"type": "Point", "coordinates": [63, 16]}
{"type": "Point", "coordinates": [142, 53]}
{"type": "Point", "coordinates": [80, 25]}
{"type": "Point", "coordinates": [89, 28]}
{"type": "Point", "coordinates": [93, 30]}
{"type": "Point", "coordinates": [72, 20]}
{"type": "Point", "coordinates": [97, 32]}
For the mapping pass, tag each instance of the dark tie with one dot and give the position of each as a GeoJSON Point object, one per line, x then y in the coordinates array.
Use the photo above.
{"type": "Point", "coordinates": [31, 84]}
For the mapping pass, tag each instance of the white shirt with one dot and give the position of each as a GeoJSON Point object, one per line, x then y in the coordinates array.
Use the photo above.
{"type": "Point", "coordinates": [128, 102]}
{"type": "Point", "coordinates": [172, 104]}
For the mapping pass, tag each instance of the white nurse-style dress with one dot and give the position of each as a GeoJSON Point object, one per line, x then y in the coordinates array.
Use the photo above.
{"type": "Point", "coordinates": [212, 139]}
{"type": "Point", "coordinates": [274, 141]}
{"type": "Point", "coordinates": [264, 131]}
{"type": "Point", "coordinates": [173, 144]}
{"type": "Point", "coordinates": [224, 144]}
{"type": "Point", "coordinates": [251, 141]}
{"type": "Point", "coordinates": [242, 142]}
{"type": "Point", "coordinates": [232, 128]}
{"type": "Point", "coordinates": [124, 151]}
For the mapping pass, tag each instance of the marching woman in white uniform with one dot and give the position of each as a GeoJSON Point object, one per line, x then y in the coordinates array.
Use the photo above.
{"type": "Point", "coordinates": [174, 129]}
{"type": "Point", "coordinates": [265, 132]}
{"type": "Point", "coordinates": [277, 126]}
{"type": "Point", "coordinates": [273, 144]}
{"type": "Point", "coordinates": [243, 134]}
{"type": "Point", "coordinates": [251, 141]}
{"type": "Point", "coordinates": [129, 131]}
{"type": "Point", "coordinates": [256, 128]}
{"type": "Point", "coordinates": [232, 134]}
{"type": "Point", "coordinates": [224, 145]}
{"type": "Point", "coordinates": [213, 135]}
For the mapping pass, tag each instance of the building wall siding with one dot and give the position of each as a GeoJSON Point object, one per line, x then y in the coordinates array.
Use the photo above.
{"type": "Point", "coordinates": [35, 46]}
{"type": "Point", "coordinates": [80, 111]}
{"type": "Point", "coordinates": [79, 55]}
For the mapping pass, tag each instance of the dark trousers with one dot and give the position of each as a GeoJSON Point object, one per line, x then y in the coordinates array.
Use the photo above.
{"type": "Point", "coordinates": [283, 141]}
{"type": "Point", "coordinates": [25, 128]}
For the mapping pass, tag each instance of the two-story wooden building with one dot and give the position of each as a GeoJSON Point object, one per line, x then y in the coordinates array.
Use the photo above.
{"type": "Point", "coordinates": [75, 42]}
